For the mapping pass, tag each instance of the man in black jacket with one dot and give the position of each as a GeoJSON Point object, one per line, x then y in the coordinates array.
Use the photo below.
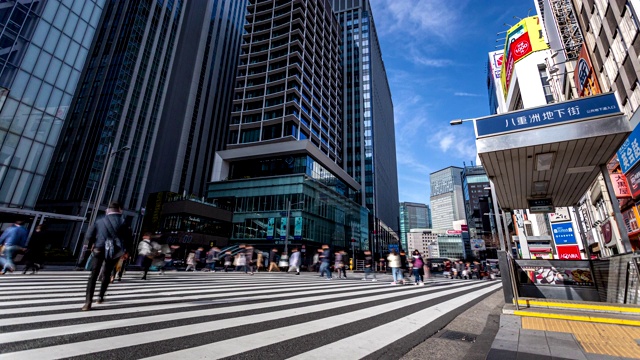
{"type": "Point", "coordinates": [107, 239]}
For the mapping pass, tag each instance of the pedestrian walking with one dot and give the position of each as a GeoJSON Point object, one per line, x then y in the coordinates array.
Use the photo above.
{"type": "Point", "coordinates": [191, 261]}
{"type": "Point", "coordinates": [325, 258]}
{"type": "Point", "coordinates": [345, 262]}
{"type": "Point", "coordinates": [459, 269]}
{"type": "Point", "coordinates": [249, 259]}
{"type": "Point", "coordinates": [394, 263]}
{"type": "Point", "coordinates": [228, 260]}
{"type": "Point", "coordinates": [13, 240]}
{"type": "Point", "coordinates": [368, 266]}
{"type": "Point", "coordinates": [273, 261]}
{"type": "Point", "coordinates": [418, 267]}
{"type": "Point", "coordinates": [118, 270]}
{"type": "Point", "coordinates": [294, 261]}
{"type": "Point", "coordinates": [241, 262]}
{"type": "Point", "coordinates": [212, 258]}
{"type": "Point", "coordinates": [107, 239]}
{"type": "Point", "coordinates": [337, 263]}
{"type": "Point", "coordinates": [146, 253]}
{"type": "Point", "coordinates": [316, 261]}
{"type": "Point", "coordinates": [34, 256]}
{"type": "Point", "coordinates": [260, 261]}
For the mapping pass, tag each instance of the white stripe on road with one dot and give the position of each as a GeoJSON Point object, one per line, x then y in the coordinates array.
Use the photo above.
{"type": "Point", "coordinates": [231, 346]}
{"type": "Point", "coordinates": [390, 292]}
{"type": "Point", "coordinates": [365, 343]}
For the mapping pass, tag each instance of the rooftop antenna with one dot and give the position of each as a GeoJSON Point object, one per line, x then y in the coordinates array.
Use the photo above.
{"type": "Point", "coordinates": [529, 11]}
{"type": "Point", "coordinates": [515, 17]}
{"type": "Point", "coordinates": [509, 25]}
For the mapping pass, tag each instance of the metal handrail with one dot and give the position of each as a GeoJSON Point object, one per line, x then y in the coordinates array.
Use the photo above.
{"type": "Point", "coordinates": [514, 278]}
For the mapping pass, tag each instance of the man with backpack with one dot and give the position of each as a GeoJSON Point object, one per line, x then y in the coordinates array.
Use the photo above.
{"type": "Point", "coordinates": [107, 238]}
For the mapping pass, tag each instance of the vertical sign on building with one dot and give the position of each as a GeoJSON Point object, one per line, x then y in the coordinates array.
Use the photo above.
{"type": "Point", "coordinates": [270, 228]}
{"type": "Point", "coordinates": [563, 233]}
{"type": "Point", "coordinates": [297, 232]}
{"type": "Point", "coordinates": [283, 228]}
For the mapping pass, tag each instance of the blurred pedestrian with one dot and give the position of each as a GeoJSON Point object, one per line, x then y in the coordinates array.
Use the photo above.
{"type": "Point", "coordinates": [118, 270]}
{"type": "Point", "coordinates": [260, 261]}
{"type": "Point", "coordinates": [337, 263]}
{"type": "Point", "coordinates": [316, 261]}
{"type": "Point", "coordinates": [325, 257]}
{"type": "Point", "coordinates": [107, 238]}
{"type": "Point", "coordinates": [13, 240]}
{"type": "Point", "coordinates": [228, 260]}
{"type": "Point", "coordinates": [394, 263]}
{"type": "Point", "coordinates": [146, 253]}
{"type": "Point", "coordinates": [191, 261]}
{"type": "Point", "coordinates": [294, 261]}
{"type": "Point", "coordinates": [212, 258]}
{"type": "Point", "coordinates": [459, 269]}
{"type": "Point", "coordinates": [249, 253]}
{"type": "Point", "coordinates": [403, 265]}
{"type": "Point", "coordinates": [368, 266]}
{"type": "Point", "coordinates": [345, 263]}
{"type": "Point", "coordinates": [418, 267]}
{"type": "Point", "coordinates": [273, 261]}
{"type": "Point", "coordinates": [34, 256]}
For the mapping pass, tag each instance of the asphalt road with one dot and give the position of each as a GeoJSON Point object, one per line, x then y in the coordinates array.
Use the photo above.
{"type": "Point", "coordinates": [226, 315]}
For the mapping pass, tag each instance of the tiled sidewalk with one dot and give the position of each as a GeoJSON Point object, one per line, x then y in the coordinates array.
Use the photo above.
{"type": "Point", "coordinates": [529, 338]}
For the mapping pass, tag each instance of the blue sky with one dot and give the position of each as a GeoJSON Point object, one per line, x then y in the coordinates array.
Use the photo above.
{"type": "Point", "coordinates": [435, 53]}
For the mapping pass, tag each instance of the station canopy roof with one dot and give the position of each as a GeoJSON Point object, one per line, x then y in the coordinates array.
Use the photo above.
{"type": "Point", "coordinates": [553, 152]}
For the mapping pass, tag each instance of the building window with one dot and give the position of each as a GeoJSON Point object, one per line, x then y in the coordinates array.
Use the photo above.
{"type": "Point", "coordinates": [628, 25]}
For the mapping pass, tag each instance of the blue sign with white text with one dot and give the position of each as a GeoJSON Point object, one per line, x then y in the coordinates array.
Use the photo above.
{"type": "Point", "coordinates": [563, 233]}
{"type": "Point", "coordinates": [629, 152]}
{"type": "Point", "coordinates": [579, 109]}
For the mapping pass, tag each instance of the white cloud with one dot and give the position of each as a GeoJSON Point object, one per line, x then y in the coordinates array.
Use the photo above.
{"type": "Point", "coordinates": [456, 144]}
{"type": "Point", "coordinates": [424, 17]}
{"type": "Point", "coordinates": [419, 60]}
{"type": "Point", "coordinates": [465, 94]}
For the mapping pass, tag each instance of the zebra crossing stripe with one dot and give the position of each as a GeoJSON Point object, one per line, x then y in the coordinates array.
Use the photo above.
{"type": "Point", "coordinates": [246, 343]}
{"type": "Point", "coordinates": [382, 336]}
{"type": "Point", "coordinates": [235, 345]}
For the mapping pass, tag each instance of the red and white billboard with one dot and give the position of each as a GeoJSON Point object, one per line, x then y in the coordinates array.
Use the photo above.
{"type": "Point", "coordinates": [568, 252]}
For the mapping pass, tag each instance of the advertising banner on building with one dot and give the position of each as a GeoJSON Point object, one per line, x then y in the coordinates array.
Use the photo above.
{"type": "Point", "coordinates": [620, 187]}
{"type": "Point", "coordinates": [633, 179]}
{"type": "Point", "coordinates": [561, 214]}
{"type": "Point", "coordinates": [496, 64]}
{"type": "Point", "coordinates": [563, 233]}
{"type": "Point", "coordinates": [568, 252]}
{"type": "Point", "coordinates": [584, 77]}
{"type": "Point", "coordinates": [270, 228]}
{"type": "Point", "coordinates": [522, 39]}
{"type": "Point", "coordinates": [297, 231]}
{"type": "Point", "coordinates": [283, 228]}
{"type": "Point", "coordinates": [477, 244]}
{"type": "Point", "coordinates": [629, 152]}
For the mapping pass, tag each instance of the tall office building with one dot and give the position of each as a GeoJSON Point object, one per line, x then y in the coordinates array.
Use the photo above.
{"type": "Point", "coordinates": [369, 134]}
{"type": "Point", "coordinates": [413, 216]}
{"type": "Point", "coordinates": [474, 187]}
{"type": "Point", "coordinates": [447, 200]}
{"type": "Point", "coordinates": [281, 171]}
{"type": "Point", "coordinates": [195, 117]}
{"type": "Point", "coordinates": [114, 117]}
{"type": "Point", "coordinates": [43, 48]}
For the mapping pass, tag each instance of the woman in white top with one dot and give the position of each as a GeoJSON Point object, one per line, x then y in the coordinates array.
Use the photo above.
{"type": "Point", "coordinates": [395, 263]}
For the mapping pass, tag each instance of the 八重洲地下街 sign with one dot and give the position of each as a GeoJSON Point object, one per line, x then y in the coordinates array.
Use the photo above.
{"type": "Point", "coordinates": [555, 114]}
{"type": "Point", "coordinates": [629, 152]}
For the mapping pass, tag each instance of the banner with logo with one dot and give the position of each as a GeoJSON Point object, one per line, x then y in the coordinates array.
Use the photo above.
{"type": "Point", "coordinates": [561, 214]}
{"type": "Point", "coordinates": [270, 228]}
{"type": "Point", "coordinates": [568, 252]}
{"type": "Point", "coordinates": [297, 232]}
{"type": "Point", "coordinates": [283, 228]}
{"type": "Point", "coordinates": [563, 233]}
{"type": "Point", "coordinates": [584, 77]}
{"type": "Point", "coordinates": [620, 187]}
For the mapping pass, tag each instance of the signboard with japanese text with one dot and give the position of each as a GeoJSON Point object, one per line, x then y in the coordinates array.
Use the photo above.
{"type": "Point", "coordinates": [477, 244]}
{"type": "Point", "coordinates": [633, 179]}
{"type": "Point", "coordinates": [554, 114]}
{"type": "Point", "coordinates": [563, 233]}
{"type": "Point", "coordinates": [629, 152]}
{"type": "Point", "coordinates": [620, 187]}
{"type": "Point", "coordinates": [270, 228]}
{"type": "Point", "coordinates": [522, 39]}
{"type": "Point", "coordinates": [568, 252]}
{"type": "Point", "coordinates": [297, 231]}
{"type": "Point", "coordinates": [561, 214]}
{"type": "Point", "coordinates": [540, 205]}
{"type": "Point", "coordinates": [584, 77]}
{"type": "Point", "coordinates": [283, 228]}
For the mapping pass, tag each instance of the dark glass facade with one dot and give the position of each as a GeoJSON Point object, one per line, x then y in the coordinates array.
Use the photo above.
{"type": "Point", "coordinates": [369, 133]}
{"type": "Point", "coordinates": [413, 216]}
{"type": "Point", "coordinates": [43, 49]}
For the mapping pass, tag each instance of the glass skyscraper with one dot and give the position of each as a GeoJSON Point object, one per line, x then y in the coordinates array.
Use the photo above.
{"type": "Point", "coordinates": [413, 216]}
{"type": "Point", "coordinates": [116, 111]}
{"type": "Point", "coordinates": [43, 49]}
{"type": "Point", "coordinates": [447, 201]}
{"type": "Point", "coordinates": [369, 133]}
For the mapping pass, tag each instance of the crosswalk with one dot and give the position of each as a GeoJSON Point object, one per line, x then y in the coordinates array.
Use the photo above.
{"type": "Point", "coordinates": [225, 315]}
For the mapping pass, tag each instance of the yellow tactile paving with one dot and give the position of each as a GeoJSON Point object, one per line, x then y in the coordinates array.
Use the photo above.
{"type": "Point", "coordinates": [604, 339]}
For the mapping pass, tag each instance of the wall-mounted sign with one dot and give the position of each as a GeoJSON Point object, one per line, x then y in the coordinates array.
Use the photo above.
{"type": "Point", "coordinates": [477, 244]}
{"type": "Point", "coordinates": [541, 206]}
{"type": "Point", "coordinates": [568, 252]}
{"type": "Point", "coordinates": [620, 187]}
{"type": "Point", "coordinates": [297, 232]}
{"type": "Point", "coordinates": [283, 228]}
{"type": "Point", "coordinates": [270, 228]}
{"type": "Point", "coordinates": [563, 233]}
{"type": "Point", "coordinates": [554, 114]}
{"type": "Point", "coordinates": [629, 152]}
{"type": "Point", "coordinates": [633, 179]}
{"type": "Point", "coordinates": [454, 232]}
{"type": "Point", "coordinates": [607, 233]}
{"type": "Point", "coordinates": [584, 77]}
{"type": "Point", "coordinates": [561, 214]}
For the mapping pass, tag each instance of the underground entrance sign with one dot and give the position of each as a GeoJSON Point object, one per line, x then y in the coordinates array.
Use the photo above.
{"type": "Point", "coordinates": [564, 112]}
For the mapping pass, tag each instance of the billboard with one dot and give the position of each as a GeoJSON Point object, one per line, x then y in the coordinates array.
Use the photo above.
{"type": "Point", "coordinates": [283, 228]}
{"type": "Point", "coordinates": [629, 152]}
{"type": "Point", "coordinates": [522, 39]}
{"type": "Point", "coordinates": [563, 233]}
{"type": "Point", "coordinates": [270, 227]}
{"type": "Point", "coordinates": [620, 187]}
{"type": "Point", "coordinates": [477, 244]}
{"type": "Point", "coordinates": [584, 77]}
{"type": "Point", "coordinates": [568, 252]}
{"type": "Point", "coordinates": [561, 214]}
{"type": "Point", "coordinates": [496, 63]}
{"type": "Point", "coordinates": [633, 178]}
{"type": "Point", "coordinates": [297, 232]}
